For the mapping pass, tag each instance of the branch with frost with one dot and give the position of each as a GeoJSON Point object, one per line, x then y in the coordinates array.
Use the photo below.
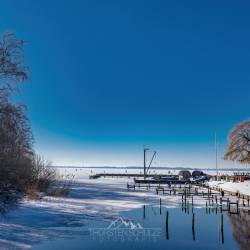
{"type": "Point", "coordinates": [238, 148]}
{"type": "Point", "coordinates": [12, 67]}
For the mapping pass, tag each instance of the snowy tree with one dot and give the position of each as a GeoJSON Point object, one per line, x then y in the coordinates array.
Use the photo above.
{"type": "Point", "coordinates": [238, 148]}
{"type": "Point", "coordinates": [13, 70]}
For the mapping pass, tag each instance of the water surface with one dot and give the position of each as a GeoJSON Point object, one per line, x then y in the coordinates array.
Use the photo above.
{"type": "Point", "coordinates": [153, 228]}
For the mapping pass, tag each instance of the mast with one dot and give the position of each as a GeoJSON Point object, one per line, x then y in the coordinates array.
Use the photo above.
{"type": "Point", "coordinates": [216, 154]}
{"type": "Point", "coordinates": [144, 160]}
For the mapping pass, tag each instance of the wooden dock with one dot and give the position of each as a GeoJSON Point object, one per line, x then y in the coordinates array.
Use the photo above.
{"type": "Point", "coordinates": [161, 181]}
{"type": "Point", "coordinates": [213, 198]}
{"type": "Point", "coordinates": [114, 175]}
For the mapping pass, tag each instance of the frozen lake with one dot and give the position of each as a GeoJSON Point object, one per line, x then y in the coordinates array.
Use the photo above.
{"type": "Point", "coordinates": [149, 229]}
{"type": "Point", "coordinates": [66, 222]}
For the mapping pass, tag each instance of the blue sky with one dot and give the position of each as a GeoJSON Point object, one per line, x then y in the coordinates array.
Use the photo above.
{"type": "Point", "coordinates": [107, 77]}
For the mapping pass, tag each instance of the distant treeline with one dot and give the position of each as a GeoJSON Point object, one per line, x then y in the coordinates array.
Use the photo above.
{"type": "Point", "coordinates": [155, 168]}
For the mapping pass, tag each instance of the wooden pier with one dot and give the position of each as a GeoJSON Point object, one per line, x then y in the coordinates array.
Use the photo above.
{"type": "Point", "coordinates": [213, 198]}
{"type": "Point", "coordinates": [127, 175]}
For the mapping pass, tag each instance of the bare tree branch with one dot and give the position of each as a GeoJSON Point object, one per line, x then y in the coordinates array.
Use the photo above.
{"type": "Point", "coordinates": [13, 70]}
{"type": "Point", "coordinates": [239, 143]}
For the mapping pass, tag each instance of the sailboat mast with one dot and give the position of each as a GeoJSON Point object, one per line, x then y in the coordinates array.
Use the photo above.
{"type": "Point", "coordinates": [144, 160]}
{"type": "Point", "coordinates": [216, 154]}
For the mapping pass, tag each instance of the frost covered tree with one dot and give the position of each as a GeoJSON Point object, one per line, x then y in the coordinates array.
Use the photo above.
{"type": "Point", "coordinates": [16, 140]}
{"type": "Point", "coordinates": [13, 70]}
{"type": "Point", "coordinates": [238, 148]}
{"type": "Point", "coordinates": [21, 170]}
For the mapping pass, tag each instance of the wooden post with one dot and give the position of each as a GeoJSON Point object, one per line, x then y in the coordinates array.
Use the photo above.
{"type": "Point", "coordinates": [144, 212]}
{"type": "Point", "coordinates": [167, 231]}
{"type": "Point", "coordinates": [222, 229]}
{"type": "Point", "coordinates": [160, 205]}
{"type": "Point", "coordinates": [193, 229]}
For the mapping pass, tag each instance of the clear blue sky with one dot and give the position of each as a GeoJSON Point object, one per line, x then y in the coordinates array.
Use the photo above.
{"type": "Point", "coordinates": [107, 77]}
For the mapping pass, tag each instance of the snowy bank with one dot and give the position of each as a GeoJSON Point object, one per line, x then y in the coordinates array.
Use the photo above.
{"type": "Point", "coordinates": [240, 187]}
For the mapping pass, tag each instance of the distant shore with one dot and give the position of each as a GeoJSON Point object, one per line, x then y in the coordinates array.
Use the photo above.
{"type": "Point", "coordinates": [246, 169]}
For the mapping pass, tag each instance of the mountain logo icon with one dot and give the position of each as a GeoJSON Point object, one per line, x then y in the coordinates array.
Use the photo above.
{"type": "Point", "coordinates": [124, 223]}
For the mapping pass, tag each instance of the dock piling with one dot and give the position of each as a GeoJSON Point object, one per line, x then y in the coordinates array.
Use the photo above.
{"type": "Point", "coordinates": [167, 220]}
{"type": "Point", "coordinates": [222, 229]}
{"type": "Point", "coordinates": [193, 226]}
{"type": "Point", "coordinates": [160, 205]}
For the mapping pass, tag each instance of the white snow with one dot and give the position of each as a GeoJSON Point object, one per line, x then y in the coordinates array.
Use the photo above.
{"type": "Point", "coordinates": [89, 199]}
{"type": "Point", "coordinates": [241, 187]}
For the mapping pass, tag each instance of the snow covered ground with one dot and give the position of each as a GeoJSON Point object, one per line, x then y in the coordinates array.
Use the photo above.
{"type": "Point", "coordinates": [240, 187]}
{"type": "Point", "coordinates": [89, 200]}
